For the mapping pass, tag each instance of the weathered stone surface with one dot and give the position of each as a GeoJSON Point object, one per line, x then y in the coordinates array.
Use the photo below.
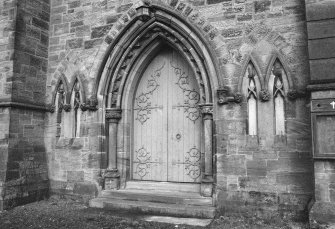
{"type": "Point", "coordinates": [262, 6]}
{"type": "Point", "coordinates": [100, 31]}
{"type": "Point", "coordinates": [263, 173]}
{"type": "Point", "coordinates": [60, 29]}
{"type": "Point", "coordinates": [74, 43]}
{"type": "Point", "coordinates": [217, 1]}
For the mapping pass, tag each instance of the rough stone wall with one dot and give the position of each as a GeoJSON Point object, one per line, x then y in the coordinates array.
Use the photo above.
{"type": "Point", "coordinates": [267, 174]}
{"type": "Point", "coordinates": [31, 51]}
{"type": "Point", "coordinates": [74, 162]}
{"type": "Point", "coordinates": [77, 30]}
{"type": "Point", "coordinates": [23, 77]}
{"type": "Point", "coordinates": [7, 28]}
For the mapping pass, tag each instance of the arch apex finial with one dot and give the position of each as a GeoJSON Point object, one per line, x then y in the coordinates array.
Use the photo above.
{"type": "Point", "coordinates": [147, 2]}
{"type": "Point", "coordinates": [142, 3]}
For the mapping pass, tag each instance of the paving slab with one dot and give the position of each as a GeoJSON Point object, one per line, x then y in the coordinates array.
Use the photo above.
{"type": "Point", "coordinates": [177, 221]}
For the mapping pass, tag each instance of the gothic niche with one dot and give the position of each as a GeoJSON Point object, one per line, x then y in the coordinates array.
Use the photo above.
{"type": "Point", "coordinates": [250, 90]}
{"type": "Point", "coordinates": [59, 104]}
{"type": "Point", "coordinates": [76, 112]}
{"type": "Point", "coordinates": [277, 85]}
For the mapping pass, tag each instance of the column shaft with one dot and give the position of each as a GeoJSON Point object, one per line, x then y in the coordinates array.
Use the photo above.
{"type": "Point", "coordinates": [208, 129]}
{"type": "Point", "coordinates": [112, 146]}
{"type": "Point", "coordinates": [112, 176]}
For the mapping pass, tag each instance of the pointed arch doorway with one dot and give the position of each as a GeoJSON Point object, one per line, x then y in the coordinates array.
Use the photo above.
{"type": "Point", "coordinates": [157, 130]}
{"type": "Point", "coordinates": [167, 121]}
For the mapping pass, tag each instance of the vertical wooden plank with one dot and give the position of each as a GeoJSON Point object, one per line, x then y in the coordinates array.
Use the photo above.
{"type": "Point", "coordinates": [149, 155]}
{"type": "Point", "coordinates": [185, 123]}
{"type": "Point", "coordinates": [169, 135]}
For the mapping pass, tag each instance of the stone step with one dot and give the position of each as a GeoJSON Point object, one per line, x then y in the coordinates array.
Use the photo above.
{"type": "Point", "coordinates": [171, 197]}
{"type": "Point", "coordinates": [163, 186]}
{"type": "Point", "coordinates": [179, 210]}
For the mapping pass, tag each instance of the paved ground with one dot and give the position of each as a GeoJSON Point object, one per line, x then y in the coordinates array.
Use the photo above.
{"type": "Point", "coordinates": [61, 213]}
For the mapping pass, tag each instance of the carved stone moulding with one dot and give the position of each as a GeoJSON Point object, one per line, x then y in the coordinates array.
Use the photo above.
{"type": "Point", "coordinates": [90, 105]}
{"type": "Point", "coordinates": [144, 11]}
{"type": "Point", "coordinates": [206, 109]}
{"type": "Point", "coordinates": [264, 95]}
{"type": "Point", "coordinates": [66, 107]}
{"type": "Point", "coordinates": [225, 96]}
{"type": "Point", "coordinates": [113, 114]}
{"type": "Point", "coordinates": [50, 108]}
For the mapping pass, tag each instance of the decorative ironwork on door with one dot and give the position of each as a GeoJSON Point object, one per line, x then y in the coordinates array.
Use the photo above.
{"type": "Point", "coordinates": [167, 122]}
{"type": "Point", "coordinates": [192, 97]}
{"type": "Point", "coordinates": [143, 101]}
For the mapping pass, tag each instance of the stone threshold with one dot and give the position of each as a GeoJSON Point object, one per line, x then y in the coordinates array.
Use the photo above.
{"type": "Point", "coordinates": [159, 198]}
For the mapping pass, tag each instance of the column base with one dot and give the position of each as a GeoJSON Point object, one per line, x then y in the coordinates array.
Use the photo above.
{"type": "Point", "coordinates": [112, 180]}
{"type": "Point", "coordinates": [206, 186]}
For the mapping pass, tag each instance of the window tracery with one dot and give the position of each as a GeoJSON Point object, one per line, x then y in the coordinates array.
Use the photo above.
{"type": "Point", "coordinates": [252, 99]}
{"type": "Point", "coordinates": [76, 112]}
{"type": "Point", "coordinates": [277, 75]}
{"type": "Point", "coordinates": [59, 101]}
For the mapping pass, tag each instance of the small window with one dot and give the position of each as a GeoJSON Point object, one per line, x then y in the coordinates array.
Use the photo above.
{"type": "Point", "coordinates": [278, 89]}
{"type": "Point", "coordinates": [250, 89]}
{"type": "Point", "coordinates": [76, 112]}
{"type": "Point", "coordinates": [59, 102]}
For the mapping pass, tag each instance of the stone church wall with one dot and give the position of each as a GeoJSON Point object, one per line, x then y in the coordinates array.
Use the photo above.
{"type": "Point", "coordinates": [266, 174]}
{"type": "Point", "coordinates": [7, 27]}
{"type": "Point", "coordinates": [24, 52]}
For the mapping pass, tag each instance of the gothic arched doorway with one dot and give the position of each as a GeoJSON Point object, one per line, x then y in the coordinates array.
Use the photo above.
{"type": "Point", "coordinates": [167, 121]}
{"type": "Point", "coordinates": [159, 128]}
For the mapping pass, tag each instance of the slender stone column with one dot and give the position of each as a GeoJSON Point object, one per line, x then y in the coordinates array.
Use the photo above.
{"type": "Point", "coordinates": [112, 176]}
{"type": "Point", "coordinates": [207, 179]}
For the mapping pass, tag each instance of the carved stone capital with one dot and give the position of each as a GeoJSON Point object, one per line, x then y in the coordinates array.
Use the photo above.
{"type": "Point", "coordinates": [113, 114]}
{"type": "Point", "coordinates": [264, 95]}
{"type": "Point", "coordinates": [50, 108]}
{"type": "Point", "coordinates": [225, 96]}
{"type": "Point", "coordinates": [206, 109]}
{"type": "Point", "coordinates": [238, 98]}
{"type": "Point", "coordinates": [90, 105]}
{"type": "Point", "coordinates": [66, 107]}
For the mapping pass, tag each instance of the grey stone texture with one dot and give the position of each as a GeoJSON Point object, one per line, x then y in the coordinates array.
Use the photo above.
{"type": "Point", "coordinates": [264, 174]}
{"type": "Point", "coordinates": [62, 40]}
{"type": "Point", "coordinates": [24, 53]}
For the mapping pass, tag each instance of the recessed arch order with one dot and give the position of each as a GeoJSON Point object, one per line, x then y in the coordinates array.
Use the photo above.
{"type": "Point", "coordinates": [133, 43]}
{"type": "Point", "coordinates": [158, 25]}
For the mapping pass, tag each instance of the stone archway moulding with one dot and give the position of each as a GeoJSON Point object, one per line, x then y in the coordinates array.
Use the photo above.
{"type": "Point", "coordinates": [144, 25]}
{"type": "Point", "coordinates": [173, 20]}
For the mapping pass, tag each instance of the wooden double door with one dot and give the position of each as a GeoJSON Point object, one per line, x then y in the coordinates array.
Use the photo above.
{"type": "Point", "coordinates": [167, 122]}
